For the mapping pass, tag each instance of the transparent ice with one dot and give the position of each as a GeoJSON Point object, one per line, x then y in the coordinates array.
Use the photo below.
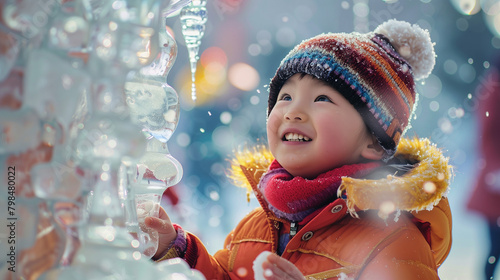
{"type": "Point", "coordinates": [193, 18]}
{"type": "Point", "coordinates": [21, 130]}
{"type": "Point", "coordinates": [154, 105]}
{"type": "Point", "coordinates": [94, 76]}
{"type": "Point", "coordinates": [69, 28]}
{"type": "Point", "coordinates": [174, 7]}
{"type": "Point", "coordinates": [9, 51]}
{"type": "Point", "coordinates": [21, 16]}
{"type": "Point", "coordinates": [54, 86]}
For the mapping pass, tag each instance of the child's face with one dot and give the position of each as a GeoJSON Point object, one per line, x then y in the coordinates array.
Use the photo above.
{"type": "Point", "coordinates": [330, 132]}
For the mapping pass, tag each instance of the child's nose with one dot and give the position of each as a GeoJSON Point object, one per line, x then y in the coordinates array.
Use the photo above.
{"type": "Point", "coordinates": [295, 115]}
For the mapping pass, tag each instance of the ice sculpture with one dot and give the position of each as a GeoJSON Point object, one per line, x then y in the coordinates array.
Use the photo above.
{"type": "Point", "coordinates": [76, 90]}
{"type": "Point", "coordinates": [193, 19]}
{"type": "Point", "coordinates": [155, 106]}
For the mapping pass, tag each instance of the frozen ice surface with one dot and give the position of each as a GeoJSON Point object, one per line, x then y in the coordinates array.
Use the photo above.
{"type": "Point", "coordinates": [156, 172]}
{"type": "Point", "coordinates": [108, 138]}
{"type": "Point", "coordinates": [125, 45]}
{"type": "Point", "coordinates": [21, 130]}
{"type": "Point", "coordinates": [148, 205]}
{"type": "Point", "coordinates": [11, 89]}
{"type": "Point", "coordinates": [160, 168]}
{"type": "Point", "coordinates": [174, 7]}
{"type": "Point", "coordinates": [139, 12]}
{"type": "Point", "coordinates": [165, 59]}
{"type": "Point", "coordinates": [176, 269]}
{"type": "Point", "coordinates": [55, 180]}
{"type": "Point", "coordinates": [116, 264]}
{"type": "Point", "coordinates": [111, 263]}
{"type": "Point", "coordinates": [9, 50]}
{"type": "Point", "coordinates": [68, 32]}
{"type": "Point", "coordinates": [154, 106]}
{"type": "Point", "coordinates": [21, 15]}
{"type": "Point", "coordinates": [53, 87]}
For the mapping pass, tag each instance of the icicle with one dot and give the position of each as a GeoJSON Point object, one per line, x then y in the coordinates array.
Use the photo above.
{"type": "Point", "coordinates": [193, 18]}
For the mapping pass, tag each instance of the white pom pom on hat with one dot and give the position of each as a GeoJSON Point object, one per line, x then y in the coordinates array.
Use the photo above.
{"type": "Point", "coordinates": [413, 43]}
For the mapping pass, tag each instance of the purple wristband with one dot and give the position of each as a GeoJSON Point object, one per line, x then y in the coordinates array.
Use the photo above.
{"type": "Point", "coordinates": [180, 242]}
{"type": "Point", "coordinates": [176, 248]}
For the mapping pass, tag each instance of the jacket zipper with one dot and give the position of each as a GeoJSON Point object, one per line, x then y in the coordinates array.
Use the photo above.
{"type": "Point", "coordinates": [293, 229]}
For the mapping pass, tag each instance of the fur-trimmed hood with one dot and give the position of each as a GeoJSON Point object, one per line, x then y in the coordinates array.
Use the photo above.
{"type": "Point", "coordinates": [420, 188]}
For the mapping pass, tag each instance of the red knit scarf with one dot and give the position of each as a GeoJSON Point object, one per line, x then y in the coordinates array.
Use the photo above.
{"type": "Point", "coordinates": [294, 198]}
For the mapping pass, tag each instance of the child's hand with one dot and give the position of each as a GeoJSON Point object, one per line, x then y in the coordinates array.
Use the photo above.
{"type": "Point", "coordinates": [166, 231]}
{"type": "Point", "coordinates": [276, 267]}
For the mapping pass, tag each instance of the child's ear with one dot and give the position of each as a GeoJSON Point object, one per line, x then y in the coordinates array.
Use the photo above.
{"type": "Point", "coordinates": [373, 150]}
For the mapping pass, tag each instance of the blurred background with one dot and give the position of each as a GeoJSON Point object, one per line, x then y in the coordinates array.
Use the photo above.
{"type": "Point", "coordinates": [243, 45]}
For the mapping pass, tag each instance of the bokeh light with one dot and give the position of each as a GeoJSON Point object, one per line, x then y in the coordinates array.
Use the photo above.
{"type": "Point", "coordinates": [361, 9]}
{"type": "Point", "coordinates": [264, 39]}
{"type": "Point", "coordinates": [467, 73]}
{"type": "Point", "coordinates": [450, 67]}
{"type": "Point", "coordinates": [387, 207]}
{"type": "Point", "coordinates": [286, 37]}
{"type": "Point", "coordinates": [467, 7]}
{"type": "Point", "coordinates": [226, 117]}
{"type": "Point", "coordinates": [211, 77]}
{"type": "Point", "coordinates": [462, 24]}
{"type": "Point", "coordinates": [434, 106]}
{"type": "Point", "coordinates": [445, 125]}
{"type": "Point", "coordinates": [222, 138]}
{"type": "Point", "coordinates": [304, 13]}
{"type": "Point", "coordinates": [429, 187]}
{"type": "Point", "coordinates": [241, 272]}
{"type": "Point", "coordinates": [456, 112]}
{"type": "Point", "coordinates": [433, 87]}
{"type": "Point", "coordinates": [490, 7]}
{"type": "Point", "coordinates": [183, 139]}
{"type": "Point", "coordinates": [213, 55]}
{"type": "Point", "coordinates": [243, 76]}
{"type": "Point", "coordinates": [254, 49]}
{"type": "Point", "coordinates": [254, 100]}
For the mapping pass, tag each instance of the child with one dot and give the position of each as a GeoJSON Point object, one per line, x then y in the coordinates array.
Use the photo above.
{"type": "Point", "coordinates": [344, 196]}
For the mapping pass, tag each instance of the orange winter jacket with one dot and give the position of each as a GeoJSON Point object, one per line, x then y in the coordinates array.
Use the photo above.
{"type": "Point", "coordinates": [391, 228]}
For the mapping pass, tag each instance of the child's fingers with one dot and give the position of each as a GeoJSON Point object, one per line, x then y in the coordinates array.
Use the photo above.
{"type": "Point", "coordinates": [165, 229]}
{"type": "Point", "coordinates": [163, 214]}
{"type": "Point", "coordinates": [163, 226]}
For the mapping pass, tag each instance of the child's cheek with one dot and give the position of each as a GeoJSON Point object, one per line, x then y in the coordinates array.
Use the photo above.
{"type": "Point", "coordinates": [272, 128]}
{"type": "Point", "coordinates": [272, 125]}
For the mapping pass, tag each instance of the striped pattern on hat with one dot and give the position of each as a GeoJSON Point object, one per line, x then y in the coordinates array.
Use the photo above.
{"type": "Point", "coordinates": [367, 70]}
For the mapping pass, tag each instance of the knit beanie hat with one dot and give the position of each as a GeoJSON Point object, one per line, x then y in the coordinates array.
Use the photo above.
{"type": "Point", "coordinates": [375, 72]}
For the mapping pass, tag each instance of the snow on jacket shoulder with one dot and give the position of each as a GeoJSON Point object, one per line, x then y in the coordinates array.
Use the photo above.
{"type": "Point", "coordinates": [390, 228]}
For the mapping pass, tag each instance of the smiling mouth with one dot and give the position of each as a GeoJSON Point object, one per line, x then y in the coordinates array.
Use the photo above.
{"type": "Point", "coordinates": [296, 137]}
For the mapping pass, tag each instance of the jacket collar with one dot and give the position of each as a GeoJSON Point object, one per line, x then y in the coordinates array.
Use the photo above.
{"type": "Point", "coordinates": [421, 188]}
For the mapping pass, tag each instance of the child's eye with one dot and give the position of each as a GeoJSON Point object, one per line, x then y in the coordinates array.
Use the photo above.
{"type": "Point", "coordinates": [285, 97]}
{"type": "Point", "coordinates": [323, 98]}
